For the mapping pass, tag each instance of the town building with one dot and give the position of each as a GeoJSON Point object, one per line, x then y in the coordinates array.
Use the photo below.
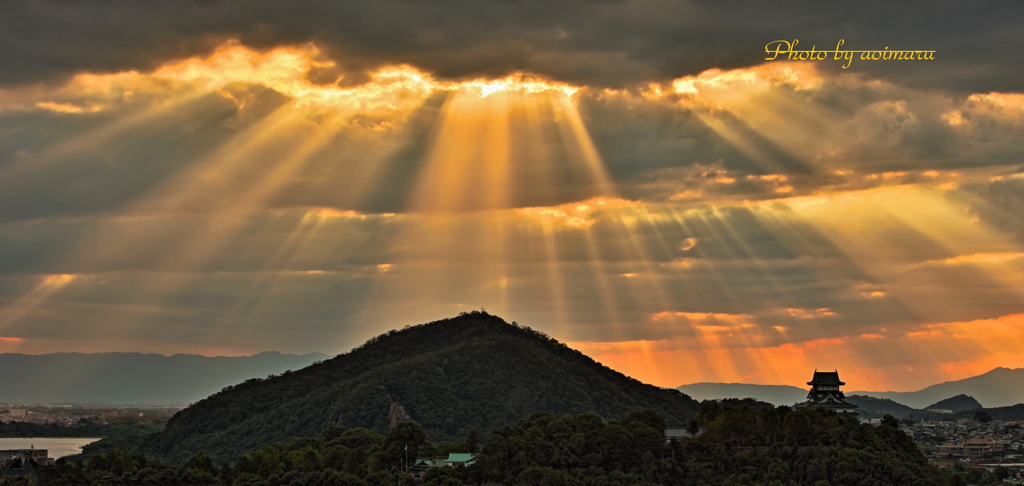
{"type": "Point", "coordinates": [950, 449]}
{"type": "Point", "coordinates": [422, 464]}
{"type": "Point", "coordinates": [986, 447]}
{"type": "Point", "coordinates": [825, 393]}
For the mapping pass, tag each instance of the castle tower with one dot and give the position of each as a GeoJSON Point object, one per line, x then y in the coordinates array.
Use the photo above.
{"type": "Point", "coordinates": [825, 393]}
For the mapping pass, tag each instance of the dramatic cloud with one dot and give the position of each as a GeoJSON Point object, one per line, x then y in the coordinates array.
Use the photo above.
{"type": "Point", "coordinates": [612, 43]}
{"type": "Point", "coordinates": [630, 177]}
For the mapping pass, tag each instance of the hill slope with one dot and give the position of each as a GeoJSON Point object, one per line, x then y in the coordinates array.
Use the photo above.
{"type": "Point", "coordinates": [880, 406]}
{"type": "Point", "coordinates": [134, 377]}
{"type": "Point", "coordinates": [1013, 412]}
{"type": "Point", "coordinates": [474, 372]}
{"type": "Point", "coordinates": [958, 403]}
{"type": "Point", "coordinates": [997, 388]}
{"type": "Point", "coordinates": [871, 407]}
{"type": "Point", "coordinates": [774, 394]}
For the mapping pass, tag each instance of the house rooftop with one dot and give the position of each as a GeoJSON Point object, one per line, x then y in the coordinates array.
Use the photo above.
{"type": "Point", "coordinates": [460, 457]}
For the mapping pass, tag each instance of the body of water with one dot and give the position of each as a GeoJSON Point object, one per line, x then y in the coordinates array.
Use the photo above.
{"type": "Point", "coordinates": [57, 448]}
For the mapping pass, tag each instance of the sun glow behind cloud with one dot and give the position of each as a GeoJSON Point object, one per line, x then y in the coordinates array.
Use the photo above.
{"type": "Point", "coordinates": [707, 270]}
{"type": "Point", "coordinates": [398, 88]}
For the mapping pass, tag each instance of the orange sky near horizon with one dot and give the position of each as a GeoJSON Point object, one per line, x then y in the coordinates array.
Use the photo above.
{"type": "Point", "coordinates": [955, 351]}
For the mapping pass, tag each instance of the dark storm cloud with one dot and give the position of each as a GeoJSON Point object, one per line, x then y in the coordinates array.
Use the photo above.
{"type": "Point", "coordinates": [999, 203]}
{"type": "Point", "coordinates": [612, 43]}
{"type": "Point", "coordinates": [97, 178]}
{"type": "Point", "coordinates": [844, 134]}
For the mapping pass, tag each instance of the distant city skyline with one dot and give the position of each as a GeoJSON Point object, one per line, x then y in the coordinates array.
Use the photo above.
{"type": "Point", "coordinates": [634, 179]}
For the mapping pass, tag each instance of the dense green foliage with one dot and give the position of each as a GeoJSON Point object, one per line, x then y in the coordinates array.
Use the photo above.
{"type": "Point", "coordinates": [736, 446]}
{"type": "Point", "coordinates": [981, 477]}
{"type": "Point", "coordinates": [474, 372]}
{"type": "Point", "coordinates": [337, 457]}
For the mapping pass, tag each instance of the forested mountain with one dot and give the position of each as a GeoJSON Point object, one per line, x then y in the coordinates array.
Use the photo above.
{"type": "Point", "coordinates": [880, 405]}
{"type": "Point", "coordinates": [134, 377]}
{"type": "Point", "coordinates": [871, 407]}
{"type": "Point", "coordinates": [958, 403]}
{"type": "Point", "coordinates": [474, 372]}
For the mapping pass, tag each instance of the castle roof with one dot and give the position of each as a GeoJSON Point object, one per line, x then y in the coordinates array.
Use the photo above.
{"type": "Point", "coordinates": [830, 402]}
{"type": "Point", "coordinates": [826, 378]}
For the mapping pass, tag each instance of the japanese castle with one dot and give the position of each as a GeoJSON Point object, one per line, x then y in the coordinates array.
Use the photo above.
{"type": "Point", "coordinates": [825, 393]}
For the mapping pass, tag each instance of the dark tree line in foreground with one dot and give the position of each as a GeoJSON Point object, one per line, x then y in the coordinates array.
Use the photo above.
{"type": "Point", "coordinates": [736, 446]}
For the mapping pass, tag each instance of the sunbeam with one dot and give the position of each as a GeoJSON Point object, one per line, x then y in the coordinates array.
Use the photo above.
{"type": "Point", "coordinates": [738, 224]}
{"type": "Point", "coordinates": [49, 285]}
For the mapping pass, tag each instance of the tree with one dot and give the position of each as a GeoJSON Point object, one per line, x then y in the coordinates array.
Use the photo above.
{"type": "Point", "coordinates": [306, 459]}
{"type": "Point", "coordinates": [402, 443]}
{"type": "Point", "coordinates": [891, 421]}
{"type": "Point", "coordinates": [268, 461]}
{"type": "Point", "coordinates": [472, 442]}
{"type": "Point", "coordinates": [982, 416]}
{"type": "Point", "coordinates": [200, 461]}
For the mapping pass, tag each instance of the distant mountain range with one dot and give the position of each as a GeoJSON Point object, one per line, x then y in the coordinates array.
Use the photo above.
{"type": "Point", "coordinates": [1000, 387]}
{"type": "Point", "coordinates": [122, 378]}
{"type": "Point", "coordinates": [774, 394]}
{"type": "Point", "coordinates": [871, 407]}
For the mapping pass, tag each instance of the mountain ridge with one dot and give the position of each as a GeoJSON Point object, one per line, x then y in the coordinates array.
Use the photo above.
{"type": "Point", "coordinates": [998, 387]}
{"type": "Point", "coordinates": [774, 394]}
{"type": "Point", "coordinates": [471, 373]}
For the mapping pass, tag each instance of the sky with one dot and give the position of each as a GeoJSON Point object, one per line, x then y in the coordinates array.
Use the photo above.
{"type": "Point", "coordinates": [633, 178]}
